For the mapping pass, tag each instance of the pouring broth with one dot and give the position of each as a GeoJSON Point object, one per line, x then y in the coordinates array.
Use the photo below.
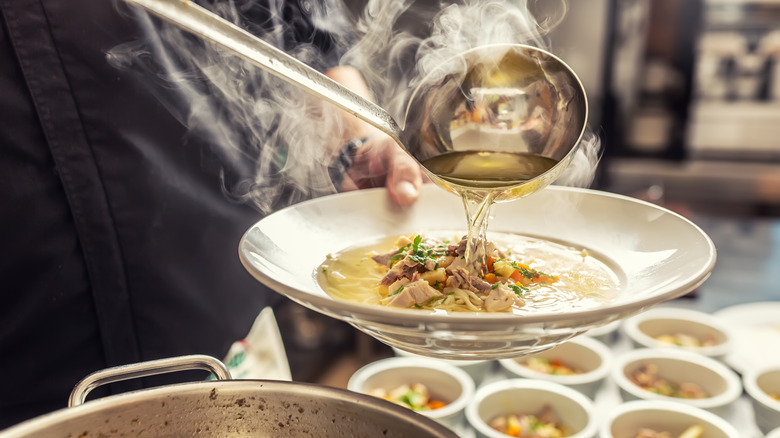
{"type": "Point", "coordinates": [523, 274]}
{"type": "Point", "coordinates": [481, 178]}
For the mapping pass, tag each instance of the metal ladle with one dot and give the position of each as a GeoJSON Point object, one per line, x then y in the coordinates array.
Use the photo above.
{"type": "Point", "coordinates": [507, 98]}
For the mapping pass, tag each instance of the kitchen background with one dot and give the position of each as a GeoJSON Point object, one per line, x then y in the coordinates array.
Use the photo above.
{"type": "Point", "coordinates": [685, 95]}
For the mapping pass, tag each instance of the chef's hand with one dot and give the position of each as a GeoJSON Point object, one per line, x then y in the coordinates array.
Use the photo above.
{"type": "Point", "coordinates": [379, 161]}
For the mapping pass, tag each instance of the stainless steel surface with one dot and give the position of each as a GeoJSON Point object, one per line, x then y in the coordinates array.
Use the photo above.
{"type": "Point", "coordinates": [496, 98]}
{"type": "Point", "coordinates": [143, 369]}
{"type": "Point", "coordinates": [232, 408]}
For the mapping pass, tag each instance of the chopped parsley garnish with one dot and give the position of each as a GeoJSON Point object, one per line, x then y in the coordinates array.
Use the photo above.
{"type": "Point", "coordinates": [518, 289]}
{"type": "Point", "coordinates": [396, 257]}
{"type": "Point", "coordinates": [416, 242]}
{"type": "Point", "coordinates": [529, 273]}
{"type": "Point", "coordinates": [419, 252]}
{"type": "Point", "coordinates": [397, 291]}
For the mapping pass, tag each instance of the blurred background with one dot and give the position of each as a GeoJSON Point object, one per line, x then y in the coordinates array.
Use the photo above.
{"type": "Point", "coordinates": [685, 96]}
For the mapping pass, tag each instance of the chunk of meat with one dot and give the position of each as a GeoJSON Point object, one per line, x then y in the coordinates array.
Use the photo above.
{"type": "Point", "coordinates": [500, 299]}
{"type": "Point", "coordinates": [386, 258]}
{"type": "Point", "coordinates": [479, 285]}
{"type": "Point", "coordinates": [401, 282]}
{"type": "Point", "coordinates": [460, 278]}
{"type": "Point", "coordinates": [458, 250]}
{"type": "Point", "coordinates": [404, 268]}
{"type": "Point", "coordinates": [416, 292]}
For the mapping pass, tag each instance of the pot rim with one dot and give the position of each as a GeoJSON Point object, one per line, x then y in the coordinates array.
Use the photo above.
{"type": "Point", "coordinates": [228, 387]}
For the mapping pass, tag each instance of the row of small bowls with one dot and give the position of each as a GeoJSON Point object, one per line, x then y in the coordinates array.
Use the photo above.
{"type": "Point", "coordinates": [758, 381]}
{"type": "Point", "coordinates": [571, 396]}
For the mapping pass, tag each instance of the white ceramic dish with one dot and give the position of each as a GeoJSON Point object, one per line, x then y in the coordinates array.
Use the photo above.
{"type": "Point", "coordinates": [759, 383]}
{"type": "Point", "coordinates": [722, 385]}
{"type": "Point", "coordinates": [525, 396]}
{"type": "Point", "coordinates": [643, 329]}
{"type": "Point", "coordinates": [586, 354]}
{"type": "Point", "coordinates": [657, 255]}
{"type": "Point", "coordinates": [444, 382]}
{"type": "Point", "coordinates": [755, 328]}
{"type": "Point", "coordinates": [624, 421]}
{"type": "Point", "coordinates": [477, 369]}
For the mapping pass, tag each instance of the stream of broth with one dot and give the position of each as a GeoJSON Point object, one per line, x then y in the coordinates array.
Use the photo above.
{"type": "Point", "coordinates": [481, 177]}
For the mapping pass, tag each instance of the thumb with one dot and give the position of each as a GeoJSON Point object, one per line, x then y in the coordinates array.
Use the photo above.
{"type": "Point", "coordinates": [404, 178]}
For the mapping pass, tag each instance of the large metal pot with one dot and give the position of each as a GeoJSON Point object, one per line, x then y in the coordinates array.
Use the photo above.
{"type": "Point", "coordinates": [224, 408]}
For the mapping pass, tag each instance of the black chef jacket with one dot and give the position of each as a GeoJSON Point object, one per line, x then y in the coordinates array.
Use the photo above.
{"type": "Point", "coordinates": [118, 245]}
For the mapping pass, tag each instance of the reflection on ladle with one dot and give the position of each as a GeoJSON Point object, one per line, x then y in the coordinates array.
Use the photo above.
{"type": "Point", "coordinates": [492, 124]}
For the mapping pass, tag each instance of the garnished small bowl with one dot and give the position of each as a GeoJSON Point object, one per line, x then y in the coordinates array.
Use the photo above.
{"type": "Point", "coordinates": [588, 360]}
{"type": "Point", "coordinates": [445, 383]}
{"type": "Point", "coordinates": [501, 398]}
{"type": "Point", "coordinates": [679, 328]}
{"type": "Point", "coordinates": [763, 386]}
{"type": "Point", "coordinates": [625, 420]}
{"type": "Point", "coordinates": [676, 375]}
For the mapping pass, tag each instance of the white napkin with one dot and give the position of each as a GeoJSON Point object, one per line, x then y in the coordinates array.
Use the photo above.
{"type": "Point", "coordinates": [261, 354]}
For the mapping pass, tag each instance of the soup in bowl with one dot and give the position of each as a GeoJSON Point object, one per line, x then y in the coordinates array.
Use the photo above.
{"type": "Point", "coordinates": [648, 255]}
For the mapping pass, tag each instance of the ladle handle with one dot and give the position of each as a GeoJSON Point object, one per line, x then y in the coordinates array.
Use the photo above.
{"type": "Point", "coordinates": [210, 27]}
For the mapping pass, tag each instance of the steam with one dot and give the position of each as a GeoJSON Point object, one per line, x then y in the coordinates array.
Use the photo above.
{"type": "Point", "coordinates": [274, 140]}
{"type": "Point", "coordinates": [582, 170]}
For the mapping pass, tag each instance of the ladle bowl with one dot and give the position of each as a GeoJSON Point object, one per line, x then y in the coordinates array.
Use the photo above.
{"type": "Point", "coordinates": [506, 98]}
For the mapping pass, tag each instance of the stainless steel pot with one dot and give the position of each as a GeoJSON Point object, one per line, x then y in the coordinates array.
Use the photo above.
{"type": "Point", "coordinates": [223, 408]}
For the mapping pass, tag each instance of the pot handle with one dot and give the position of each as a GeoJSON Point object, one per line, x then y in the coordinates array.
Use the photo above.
{"type": "Point", "coordinates": [143, 369]}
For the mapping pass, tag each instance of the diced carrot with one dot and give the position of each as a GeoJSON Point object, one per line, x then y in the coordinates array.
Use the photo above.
{"type": "Point", "coordinates": [516, 275]}
{"type": "Point", "coordinates": [544, 279]}
{"type": "Point", "coordinates": [436, 404]}
{"type": "Point", "coordinates": [490, 278]}
{"type": "Point", "coordinates": [490, 261]}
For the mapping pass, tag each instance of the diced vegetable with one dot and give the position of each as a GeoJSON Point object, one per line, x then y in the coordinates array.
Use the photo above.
{"type": "Point", "coordinates": [415, 397]}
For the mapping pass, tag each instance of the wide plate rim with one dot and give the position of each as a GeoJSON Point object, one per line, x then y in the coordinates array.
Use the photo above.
{"type": "Point", "coordinates": [318, 302]}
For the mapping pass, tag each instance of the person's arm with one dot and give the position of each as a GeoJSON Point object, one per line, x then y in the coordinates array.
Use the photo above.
{"type": "Point", "coordinates": [379, 161]}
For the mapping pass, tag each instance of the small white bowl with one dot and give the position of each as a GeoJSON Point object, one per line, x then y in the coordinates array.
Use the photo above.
{"type": "Point", "coordinates": [445, 382]}
{"type": "Point", "coordinates": [759, 383]}
{"type": "Point", "coordinates": [679, 366]}
{"type": "Point", "coordinates": [477, 369]}
{"type": "Point", "coordinates": [644, 328]}
{"type": "Point", "coordinates": [590, 356]}
{"type": "Point", "coordinates": [661, 415]}
{"type": "Point", "coordinates": [525, 396]}
{"type": "Point", "coordinates": [607, 333]}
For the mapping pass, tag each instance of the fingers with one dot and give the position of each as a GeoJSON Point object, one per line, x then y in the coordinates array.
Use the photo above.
{"type": "Point", "coordinates": [404, 178]}
{"type": "Point", "coordinates": [380, 161]}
